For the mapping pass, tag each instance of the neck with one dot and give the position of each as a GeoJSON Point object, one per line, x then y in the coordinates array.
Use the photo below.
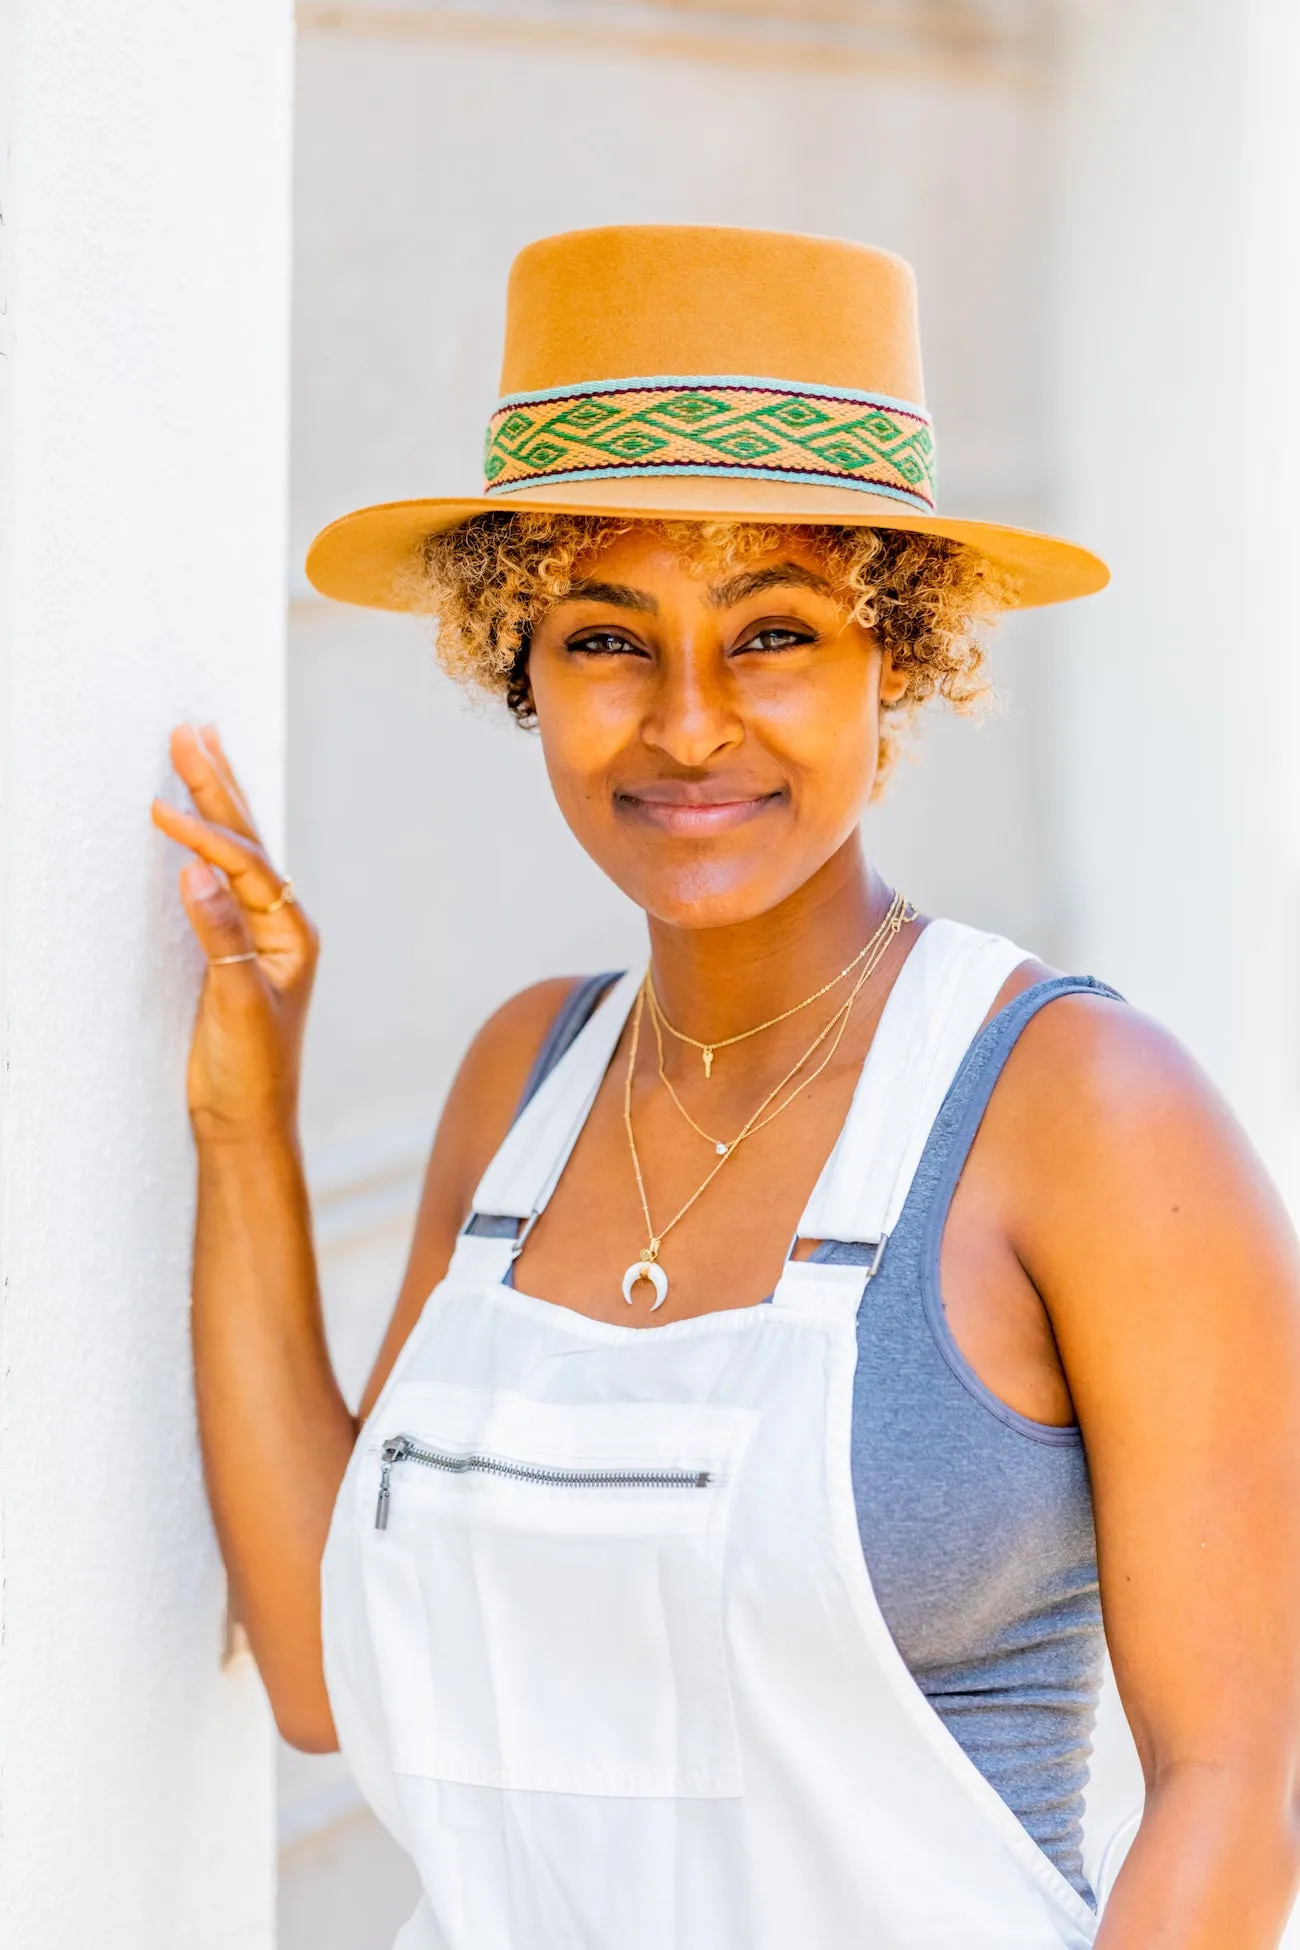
{"type": "Point", "coordinates": [719, 981]}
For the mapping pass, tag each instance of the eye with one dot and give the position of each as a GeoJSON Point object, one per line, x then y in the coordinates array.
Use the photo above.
{"type": "Point", "coordinates": [604, 643]}
{"type": "Point", "coordinates": [777, 636]}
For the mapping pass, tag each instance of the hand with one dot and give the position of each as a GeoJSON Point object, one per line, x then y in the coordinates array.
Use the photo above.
{"type": "Point", "coordinates": [246, 1053]}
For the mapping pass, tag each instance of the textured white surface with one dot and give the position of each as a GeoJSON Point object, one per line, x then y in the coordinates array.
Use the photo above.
{"type": "Point", "coordinates": [145, 408]}
{"type": "Point", "coordinates": [1175, 313]}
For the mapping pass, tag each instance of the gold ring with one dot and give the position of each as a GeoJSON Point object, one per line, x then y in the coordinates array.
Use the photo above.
{"type": "Point", "coordinates": [282, 899]}
{"type": "Point", "coordinates": [226, 961]}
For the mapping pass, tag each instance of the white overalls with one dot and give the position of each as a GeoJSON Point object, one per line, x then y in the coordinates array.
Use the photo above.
{"type": "Point", "coordinates": [612, 1669]}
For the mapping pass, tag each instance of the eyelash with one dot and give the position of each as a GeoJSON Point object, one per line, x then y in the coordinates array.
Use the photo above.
{"type": "Point", "coordinates": [792, 637]}
{"type": "Point", "coordinates": [619, 645]}
{"type": "Point", "coordinates": [587, 643]}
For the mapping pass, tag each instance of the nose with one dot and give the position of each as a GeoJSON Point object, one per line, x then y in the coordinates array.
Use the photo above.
{"type": "Point", "coordinates": [692, 716]}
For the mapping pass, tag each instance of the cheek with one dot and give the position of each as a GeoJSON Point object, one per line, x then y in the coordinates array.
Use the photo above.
{"type": "Point", "coordinates": [577, 783]}
{"type": "Point", "coordinates": [827, 736]}
{"type": "Point", "coordinates": [581, 737]}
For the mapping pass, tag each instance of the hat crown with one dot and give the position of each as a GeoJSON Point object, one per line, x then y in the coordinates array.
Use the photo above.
{"type": "Point", "coordinates": [664, 372]}
{"type": "Point", "coordinates": [641, 300]}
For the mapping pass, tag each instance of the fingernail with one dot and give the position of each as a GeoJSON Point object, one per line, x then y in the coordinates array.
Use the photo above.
{"type": "Point", "coordinates": [201, 882]}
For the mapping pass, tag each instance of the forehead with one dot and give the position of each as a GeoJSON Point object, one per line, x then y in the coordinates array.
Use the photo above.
{"type": "Point", "coordinates": [705, 552]}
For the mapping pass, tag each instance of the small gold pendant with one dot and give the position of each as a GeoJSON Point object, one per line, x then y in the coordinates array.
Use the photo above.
{"type": "Point", "coordinates": [708, 1063]}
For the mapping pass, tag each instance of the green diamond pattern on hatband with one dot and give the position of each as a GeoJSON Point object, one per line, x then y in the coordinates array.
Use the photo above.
{"type": "Point", "coordinates": [774, 429]}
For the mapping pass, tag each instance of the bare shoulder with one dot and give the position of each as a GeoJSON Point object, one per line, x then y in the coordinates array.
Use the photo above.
{"type": "Point", "coordinates": [505, 1048]}
{"type": "Point", "coordinates": [485, 1093]}
{"type": "Point", "coordinates": [1097, 1066]}
{"type": "Point", "coordinates": [1094, 1060]}
{"type": "Point", "coordinates": [1130, 1192]}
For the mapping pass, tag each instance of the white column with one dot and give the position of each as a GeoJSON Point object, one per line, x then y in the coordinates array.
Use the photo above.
{"type": "Point", "coordinates": [1177, 730]}
{"type": "Point", "coordinates": [144, 430]}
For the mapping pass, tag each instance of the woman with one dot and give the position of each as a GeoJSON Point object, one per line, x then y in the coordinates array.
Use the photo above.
{"type": "Point", "coordinates": [599, 1636]}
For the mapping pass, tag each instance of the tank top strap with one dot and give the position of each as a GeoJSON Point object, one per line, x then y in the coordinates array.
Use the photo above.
{"type": "Point", "coordinates": [939, 1000]}
{"type": "Point", "coordinates": [572, 1017]}
{"type": "Point", "coordinates": [968, 1099]}
{"type": "Point", "coordinates": [527, 1168]}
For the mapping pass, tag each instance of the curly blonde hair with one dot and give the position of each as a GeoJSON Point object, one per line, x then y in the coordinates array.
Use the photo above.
{"type": "Point", "coordinates": [927, 599]}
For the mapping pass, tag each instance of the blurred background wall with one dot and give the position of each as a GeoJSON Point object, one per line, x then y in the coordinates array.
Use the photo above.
{"type": "Point", "coordinates": [1099, 201]}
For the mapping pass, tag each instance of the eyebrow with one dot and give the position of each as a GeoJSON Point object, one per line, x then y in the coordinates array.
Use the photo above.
{"type": "Point", "coordinates": [616, 594]}
{"type": "Point", "coordinates": [725, 595]}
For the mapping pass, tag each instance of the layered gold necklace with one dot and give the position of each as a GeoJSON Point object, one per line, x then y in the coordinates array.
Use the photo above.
{"type": "Point", "coordinates": [884, 933]}
{"type": "Point", "coordinates": [646, 1266]}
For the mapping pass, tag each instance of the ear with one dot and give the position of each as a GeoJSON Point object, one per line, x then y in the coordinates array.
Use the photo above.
{"type": "Point", "coordinates": [893, 683]}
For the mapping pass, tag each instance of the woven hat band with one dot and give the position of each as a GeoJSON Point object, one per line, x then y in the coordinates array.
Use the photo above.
{"type": "Point", "coordinates": [769, 429]}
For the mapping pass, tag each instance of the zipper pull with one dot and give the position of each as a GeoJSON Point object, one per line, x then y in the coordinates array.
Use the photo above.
{"type": "Point", "coordinates": [393, 1451]}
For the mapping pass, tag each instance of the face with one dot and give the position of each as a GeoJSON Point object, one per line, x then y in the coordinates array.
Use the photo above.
{"type": "Point", "coordinates": [711, 736]}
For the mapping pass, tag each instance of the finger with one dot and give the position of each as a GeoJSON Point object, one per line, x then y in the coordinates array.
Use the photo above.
{"type": "Point", "coordinates": [254, 881]}
{"type": "Point", "coordinates": [286, 940]}
{"type": "Point", "coordinates": [210, 738]}
{"type": "Point", "coordinates": [219, 924]}
{"type": "Point", "coordinates": [213, 785]}
{"type": "Point", "coordinates": [215, 793]}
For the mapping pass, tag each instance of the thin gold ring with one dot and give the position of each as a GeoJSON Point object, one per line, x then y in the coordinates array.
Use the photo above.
{"type": "Point", "coordinates": [282, 899]}
{"type": "Point", "coordinates": [227, 961]}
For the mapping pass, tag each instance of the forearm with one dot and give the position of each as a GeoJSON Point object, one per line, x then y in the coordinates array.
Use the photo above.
{"type": "Point", "coordinates": [275, 1429]}
{"type": "Point", "coordinates": [1215, 1863]}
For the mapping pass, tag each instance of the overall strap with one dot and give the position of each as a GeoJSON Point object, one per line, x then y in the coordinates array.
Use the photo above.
{"type": "Point", "coordinates": [527, 1168]}
{"type": "Point", "coordinates": [942, 994]}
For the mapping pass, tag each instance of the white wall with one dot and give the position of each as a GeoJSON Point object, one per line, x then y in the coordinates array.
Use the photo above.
{"type": "Point", "coordinates": [1176, 311]}
{"type": "Point", "coordinates": [144, 412]}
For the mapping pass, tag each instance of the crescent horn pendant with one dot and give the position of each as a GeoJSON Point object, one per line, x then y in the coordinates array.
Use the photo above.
{"type": "Point", "coordinates": [645, 1269]}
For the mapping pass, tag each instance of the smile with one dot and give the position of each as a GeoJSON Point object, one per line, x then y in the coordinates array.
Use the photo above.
{"type": "Point", "coordinates": [688, 818]}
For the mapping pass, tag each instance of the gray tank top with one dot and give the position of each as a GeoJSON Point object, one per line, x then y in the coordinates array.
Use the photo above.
{"type": "Point", "coordinates": [976, 1522]}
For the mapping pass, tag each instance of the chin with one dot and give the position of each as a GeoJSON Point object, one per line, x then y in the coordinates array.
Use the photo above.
{"type": "Point", "coordinates": [708, 895]}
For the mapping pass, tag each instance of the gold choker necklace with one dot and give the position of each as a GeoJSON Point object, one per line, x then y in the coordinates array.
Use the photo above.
{"type": "Point", "coordinates": [886, 931]}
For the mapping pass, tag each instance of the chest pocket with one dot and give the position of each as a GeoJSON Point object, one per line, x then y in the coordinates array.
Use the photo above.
{"type": "Point", "coordinates": [544, 1590]}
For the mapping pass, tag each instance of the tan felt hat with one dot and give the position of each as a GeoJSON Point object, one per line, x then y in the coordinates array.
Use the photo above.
{"type": "Point", "coordinates": [674, 372]}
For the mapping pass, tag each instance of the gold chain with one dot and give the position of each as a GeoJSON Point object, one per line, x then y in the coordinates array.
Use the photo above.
{"type": "Point", "coordinates": [708, 1050]}
{"type": "Point", "coordinates": [900, 912]}
{"type": "Point", "coordinates": [897, 914]}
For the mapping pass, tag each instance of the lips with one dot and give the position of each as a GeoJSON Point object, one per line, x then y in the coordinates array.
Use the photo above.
{"type": "Point", "coordinates": [692, 811]}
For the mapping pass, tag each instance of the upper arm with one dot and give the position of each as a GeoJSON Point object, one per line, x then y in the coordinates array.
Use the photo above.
{"type": "Point", "coordinates": [1169, 1270]}
{"type": "Point", "coordinates": [480, 1108]}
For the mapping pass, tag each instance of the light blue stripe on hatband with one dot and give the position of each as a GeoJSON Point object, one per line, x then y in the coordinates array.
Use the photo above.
{"type": "Point", "coordinates": [917, 501]}
{"type": "Point", "coordinates": [677, 383]}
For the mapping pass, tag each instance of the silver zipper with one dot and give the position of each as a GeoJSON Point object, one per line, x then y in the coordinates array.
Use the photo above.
{"type": "Point", "coordinates": [404, 1448]}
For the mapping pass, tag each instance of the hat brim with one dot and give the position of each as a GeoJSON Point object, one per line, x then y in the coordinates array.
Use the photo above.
{"type": "Point", "coordinates": [368, 557]}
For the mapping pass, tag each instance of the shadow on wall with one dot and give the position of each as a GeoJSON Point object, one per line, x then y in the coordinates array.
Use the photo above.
{"type": "Point", "coordinates": [347, 1887]}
